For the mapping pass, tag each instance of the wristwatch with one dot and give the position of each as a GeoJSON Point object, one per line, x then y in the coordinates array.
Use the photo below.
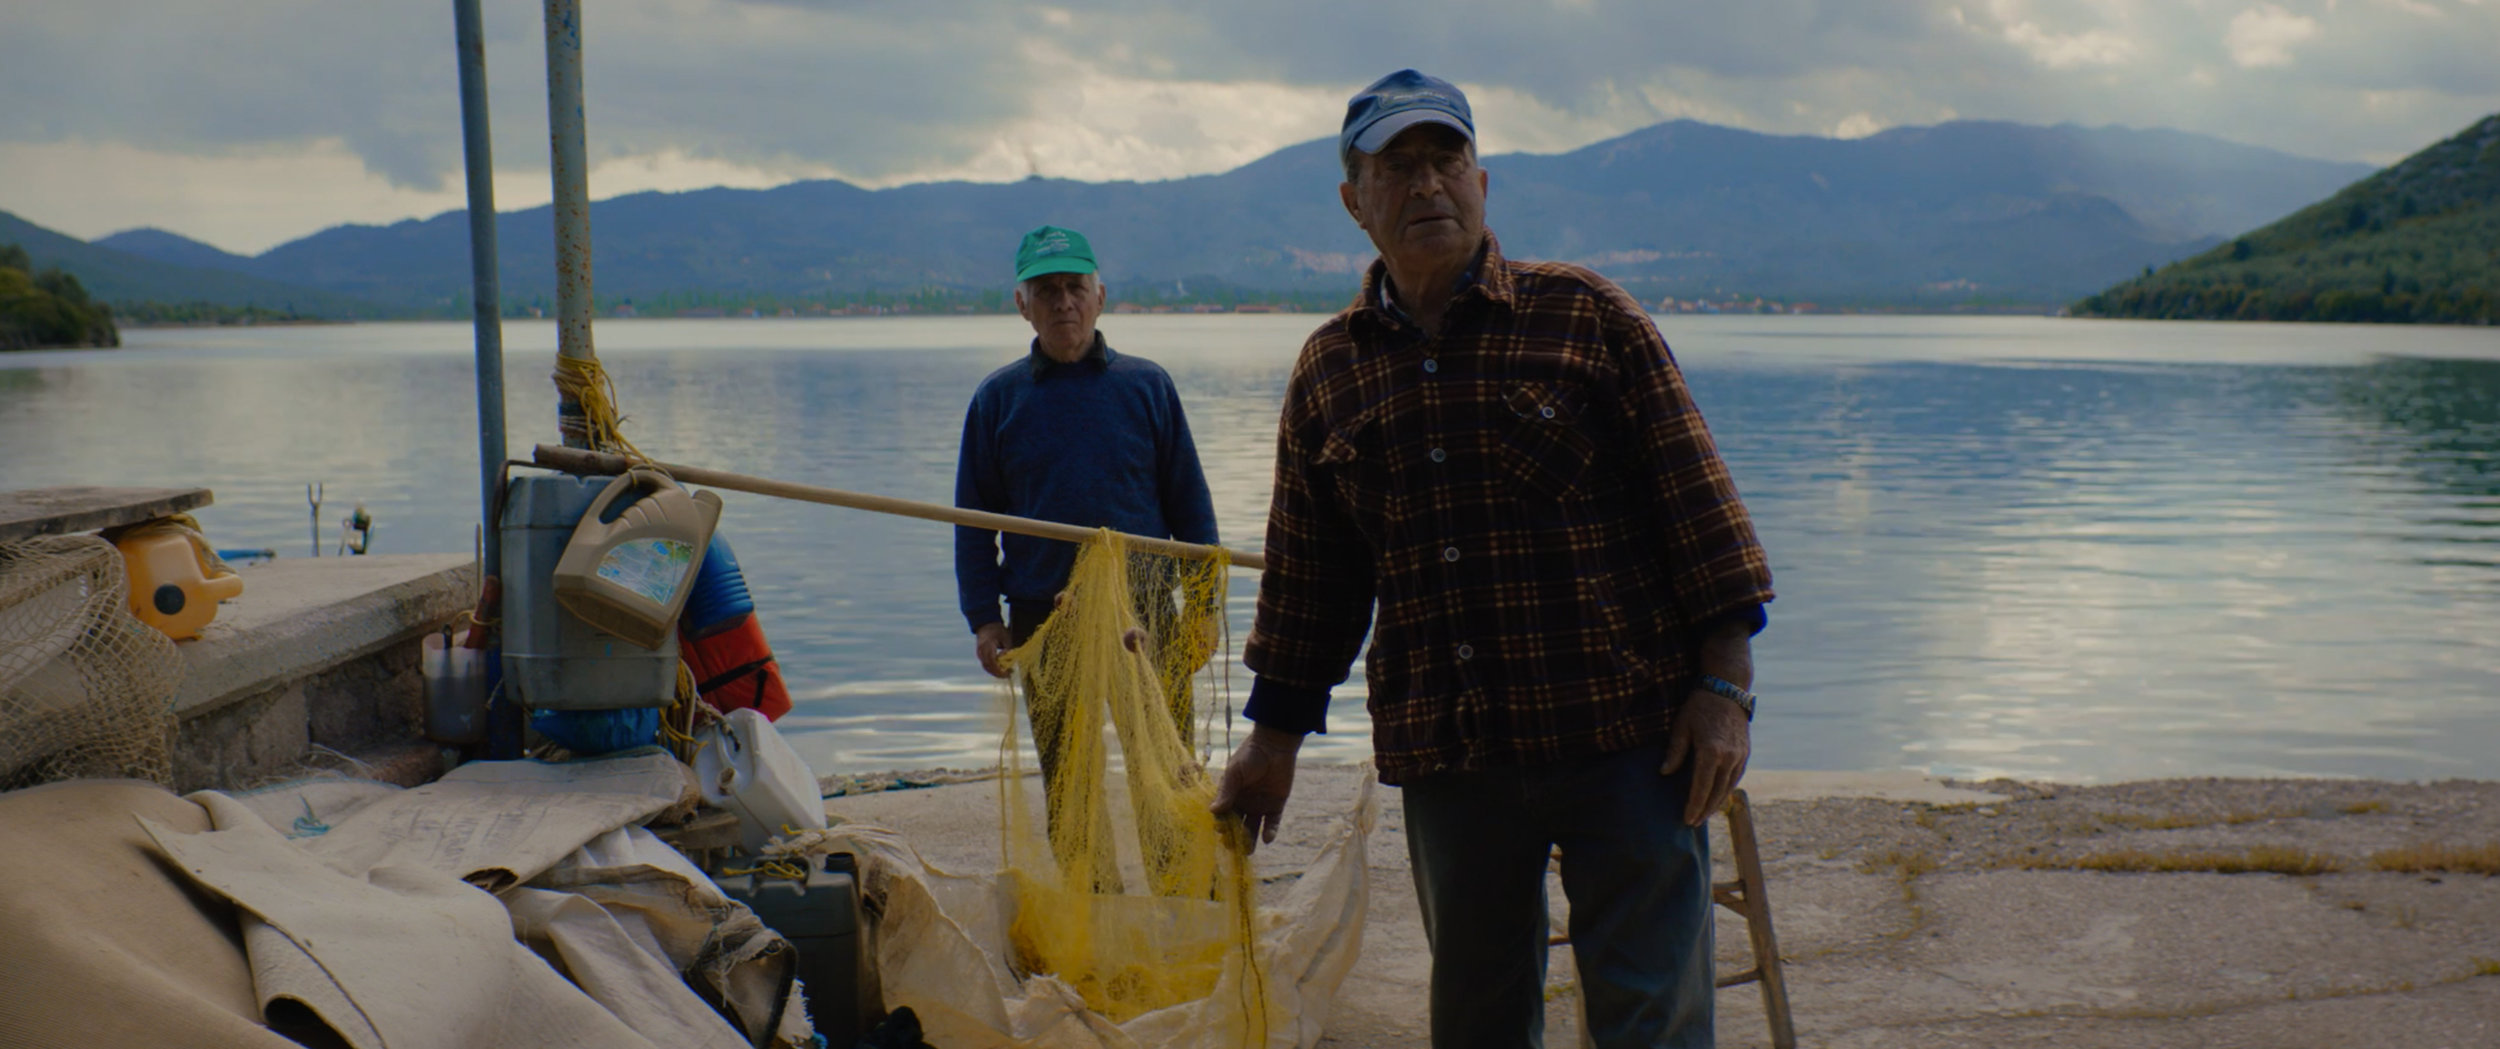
{"type": "Point", "coordinates": [1731, 690]}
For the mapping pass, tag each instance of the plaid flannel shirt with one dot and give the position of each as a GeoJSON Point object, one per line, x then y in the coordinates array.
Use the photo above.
{"type": "Point", "coordinates": [1531, 501]}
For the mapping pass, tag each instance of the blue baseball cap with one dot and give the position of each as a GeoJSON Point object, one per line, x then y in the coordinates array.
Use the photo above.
{"type": "Point", "coordinates": [1397, 102]}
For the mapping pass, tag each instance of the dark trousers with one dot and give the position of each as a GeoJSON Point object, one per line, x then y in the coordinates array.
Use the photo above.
{"type": "Point", "coordinates": [1637, 878]}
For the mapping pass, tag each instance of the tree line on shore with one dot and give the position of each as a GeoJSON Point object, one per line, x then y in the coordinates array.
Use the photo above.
{"type": "Point", "coordinates": [48, 307]}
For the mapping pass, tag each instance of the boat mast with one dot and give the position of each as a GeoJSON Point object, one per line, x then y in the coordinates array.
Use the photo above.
{"type": "Point", "coordinates": [571, 173]}
{"type": "Point", "coordinates": [486, 290]}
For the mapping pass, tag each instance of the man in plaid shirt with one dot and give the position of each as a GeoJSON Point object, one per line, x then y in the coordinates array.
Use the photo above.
{"type": "Point", "coordinates": [1494, 468]}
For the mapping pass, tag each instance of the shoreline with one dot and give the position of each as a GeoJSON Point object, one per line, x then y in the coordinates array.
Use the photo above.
{"type": "Point", "coordinates": [305, 322]}
{"type": "Point", "coordinates": [1913, 911]}
{"type": "Point", "coordinates": [2055, 314]}
{"type": "Point", "coordinates": [1762, 785]}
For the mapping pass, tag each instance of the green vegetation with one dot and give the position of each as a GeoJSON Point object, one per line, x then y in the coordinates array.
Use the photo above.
{"type": "Point", "coordinates": [2418, 242]}
{"type": "Point", "coordinates": [206, 313]}
{"type": "Point", "coordinates": [2439, 856]}
{"type": "Point", "coordinates": [48, 307]}
{"type": "Point", "coordinates": [1192, 296]}
{"type": "Point", "coordinates": [2259, 859]}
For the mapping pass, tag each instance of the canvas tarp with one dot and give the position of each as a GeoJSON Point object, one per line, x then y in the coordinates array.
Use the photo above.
{"type": "Point", "coordinates": [942, 949]}
{"type": "Point", "coordinates": [372, 910]}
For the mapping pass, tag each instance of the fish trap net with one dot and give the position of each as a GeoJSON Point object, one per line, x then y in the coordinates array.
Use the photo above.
{"type": "Point", "coordinates": [1150, 904]}
{"type": "Point", "coordinates": [86, 689]}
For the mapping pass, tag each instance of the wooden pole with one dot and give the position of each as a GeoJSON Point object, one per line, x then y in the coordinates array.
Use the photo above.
{"type": "Point", "coordinates": [585, 461]}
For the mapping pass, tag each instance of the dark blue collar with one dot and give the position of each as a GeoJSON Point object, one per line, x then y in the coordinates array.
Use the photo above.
{"type": "Point", "coordinates": [1095, 359]}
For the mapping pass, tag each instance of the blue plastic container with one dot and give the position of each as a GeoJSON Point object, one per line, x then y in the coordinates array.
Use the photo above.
{"type": "Point", "coordinates": [590, 733]}
{"type": "Point", "coordinates": [720, 592]}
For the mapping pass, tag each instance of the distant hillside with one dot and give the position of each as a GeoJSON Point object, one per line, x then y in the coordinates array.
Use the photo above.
{"type": "Point", "coordinates": [2419, 241]}
{"type": "Point", "coordinates": [126, 280]}
{"type": "Point", "coordinates": [1936, 216]}
{"type": "Point", "coordinates": [152, 243]}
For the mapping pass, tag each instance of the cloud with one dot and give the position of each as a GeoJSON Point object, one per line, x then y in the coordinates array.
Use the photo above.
{"type": "Point", "coordinates": [2263, 36]}
{"type": "Point", "coordinates": [1087, 123]}
{"type": "Point", "coordinates": [2420, 7]}
{"type": "Point", "coordinates": [351, 110]}
{"type": "Point", "coordinates": [2056, 50]}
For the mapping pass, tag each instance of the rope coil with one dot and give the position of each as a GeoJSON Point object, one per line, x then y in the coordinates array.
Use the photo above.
{"type": "Point", "coordinates": [581, 381]}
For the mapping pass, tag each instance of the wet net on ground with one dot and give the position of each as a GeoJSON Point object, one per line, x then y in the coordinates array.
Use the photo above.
{"type": "Point", "coordinates": [86, 689]}
{"type": "Point", "coordinates": [1129, 644]}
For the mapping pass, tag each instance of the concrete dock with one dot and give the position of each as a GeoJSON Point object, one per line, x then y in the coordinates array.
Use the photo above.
{"type": "Point", "coordinates": [313, 666]}
{"type": "Point", "coordinates": [317, 658]}
{"type": "Point", "coordinates": [1918, 913]}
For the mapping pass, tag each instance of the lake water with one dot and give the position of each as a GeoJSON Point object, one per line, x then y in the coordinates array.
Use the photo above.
{"type": "Point", "coordinates": [2042, 548]}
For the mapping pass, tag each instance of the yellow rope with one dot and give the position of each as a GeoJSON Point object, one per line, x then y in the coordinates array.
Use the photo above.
{"type": "Point", "coordinates": [582, 380]}
{"type": "Point", "coordinates": [682, 718]}
{"type": "Point", "coordinates": [774, 868]}
{"type": "Point", "coordinates": [789, 855]}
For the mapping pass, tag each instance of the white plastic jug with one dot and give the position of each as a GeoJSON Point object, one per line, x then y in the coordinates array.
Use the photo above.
{"type": "Point", "coordinates": [746, 767]}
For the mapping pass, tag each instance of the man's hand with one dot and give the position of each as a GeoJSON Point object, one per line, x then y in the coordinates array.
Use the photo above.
{"type": "Point", "coordinates": [1256, 782]}
{"type": "Point", "coordinates": [1711, 731]}
{"type": "Point", "coordinates": [988, 644]}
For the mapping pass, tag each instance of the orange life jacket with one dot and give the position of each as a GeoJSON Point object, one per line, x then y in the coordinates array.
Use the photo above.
{"type": "Point", "coordinates": [734, 668]}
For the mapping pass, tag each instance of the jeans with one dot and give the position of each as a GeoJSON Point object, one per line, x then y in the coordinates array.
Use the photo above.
{"type": "Point", "coordinates": [1637, 878]}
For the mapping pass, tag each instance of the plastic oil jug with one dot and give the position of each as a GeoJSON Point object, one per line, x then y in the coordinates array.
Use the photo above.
{"type": "Point", "coordinates": [552, 660]}
{"type": "Point", "coordinates": [746, 767]}
{"type": "Point", "coordinates": [171, 587]}
{"type": "Point", "coordinates": [631, 562]}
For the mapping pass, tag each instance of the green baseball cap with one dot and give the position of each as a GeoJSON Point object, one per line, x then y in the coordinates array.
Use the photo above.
{"type": "Point", "coordinates": [1050, 249]}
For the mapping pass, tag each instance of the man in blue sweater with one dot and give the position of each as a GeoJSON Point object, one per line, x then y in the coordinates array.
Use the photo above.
{"type": "Point", "coordinates": [1080, 434]}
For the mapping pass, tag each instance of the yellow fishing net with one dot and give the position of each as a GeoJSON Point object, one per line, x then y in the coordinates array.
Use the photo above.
{"type": "Point", "coordinates": [1130, 643]}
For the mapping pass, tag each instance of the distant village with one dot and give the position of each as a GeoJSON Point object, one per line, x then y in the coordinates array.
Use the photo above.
{"type": "Point", "coordinates": [1670, 304]}
{"type": "Point", "coordinates": [1756, 304]}
{"type": "Point", "coordinates": [901, 309]}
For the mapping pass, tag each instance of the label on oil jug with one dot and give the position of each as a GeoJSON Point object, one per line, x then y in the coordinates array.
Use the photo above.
{"type": "Point", "coordinates": [651, 568]}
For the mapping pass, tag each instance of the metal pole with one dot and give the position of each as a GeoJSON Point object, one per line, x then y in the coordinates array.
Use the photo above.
{"type": "Point", "coordinates": [571, 171]}
{"type": "Point", "coordinates": [486, 290]}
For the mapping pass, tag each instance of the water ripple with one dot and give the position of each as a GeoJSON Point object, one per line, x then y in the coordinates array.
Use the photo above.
{"type": "Point", "coordinates": [2011, 546]}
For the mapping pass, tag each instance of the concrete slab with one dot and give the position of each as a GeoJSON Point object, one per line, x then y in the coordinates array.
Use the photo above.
{"type": "Point", "coordinates": [1917, 914]}
{"type": "Point", "coordinates": [85, 508]}
{"type": "Point", "coordinates": [298, 616]}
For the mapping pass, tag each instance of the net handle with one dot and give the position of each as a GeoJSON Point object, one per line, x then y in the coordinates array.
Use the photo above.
{"type": "Point", "coordinates": [589, 463]}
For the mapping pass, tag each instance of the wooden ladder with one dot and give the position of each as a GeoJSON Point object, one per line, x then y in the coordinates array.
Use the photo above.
{"type": "Point", "coordinates": [1747, 897]}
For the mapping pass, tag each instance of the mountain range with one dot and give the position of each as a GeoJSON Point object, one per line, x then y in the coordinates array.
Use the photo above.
{"type": "Point", "coordinates": [2419, 241]}
{"type": "Point", "coordinates": [121, 277]}
{"type": "Point", "coordinates": [1958, 212]}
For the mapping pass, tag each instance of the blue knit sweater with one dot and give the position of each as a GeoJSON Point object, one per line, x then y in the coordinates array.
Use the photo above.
{"type": "Point", "coordinates": [1101, 442]}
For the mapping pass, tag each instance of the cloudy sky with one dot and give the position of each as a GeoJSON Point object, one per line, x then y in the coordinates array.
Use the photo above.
{"type": "Point", "coordinates": [246, 123]}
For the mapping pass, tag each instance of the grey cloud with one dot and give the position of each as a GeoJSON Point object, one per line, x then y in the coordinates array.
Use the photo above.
{"type": "Point", "coordinates": [856, 90]}
{"type": "Point", "coordinates": [1904, 62]}
{"type": "Point", "coordinates": [233, 76]}
{"type": "Point", "coordinates": [885, 88]}
{"type": "Point", "coordinates": [1560, 53]}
